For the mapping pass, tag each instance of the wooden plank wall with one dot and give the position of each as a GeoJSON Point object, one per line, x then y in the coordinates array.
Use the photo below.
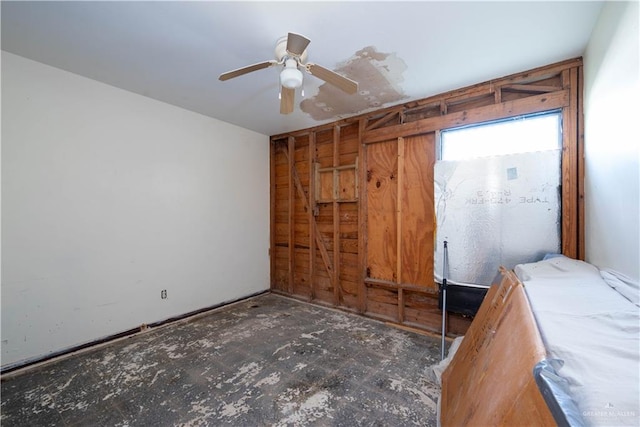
{"type": "Point", "coordinates": [352, 212]}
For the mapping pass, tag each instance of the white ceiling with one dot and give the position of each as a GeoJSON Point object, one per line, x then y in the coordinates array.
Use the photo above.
{"type": "Point", "coordinates": [174, 51]}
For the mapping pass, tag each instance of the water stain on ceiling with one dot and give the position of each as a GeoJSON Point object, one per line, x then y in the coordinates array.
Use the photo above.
{"type": "Point", "coordinates": [378, 75]}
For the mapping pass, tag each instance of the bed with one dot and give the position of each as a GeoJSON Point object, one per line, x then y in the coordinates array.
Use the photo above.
{"type": "Point", "coordinates": [554, 342]}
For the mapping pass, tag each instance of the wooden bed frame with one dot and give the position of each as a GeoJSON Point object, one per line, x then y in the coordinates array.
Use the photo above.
{"type": "Point", "coordinates": [490, 381]}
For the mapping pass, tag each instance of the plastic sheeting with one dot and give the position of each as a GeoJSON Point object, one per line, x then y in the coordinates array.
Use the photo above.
{"type": "Point", "coordinates": [434, 372]}
{"type": "Point", "coordinates": [555, 391]}
{"type": "Point", "coordinates": [493, 211]}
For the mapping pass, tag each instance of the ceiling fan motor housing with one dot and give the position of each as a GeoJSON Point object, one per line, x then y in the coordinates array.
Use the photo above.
{"type": "Point", "coordinates": [281, 51]}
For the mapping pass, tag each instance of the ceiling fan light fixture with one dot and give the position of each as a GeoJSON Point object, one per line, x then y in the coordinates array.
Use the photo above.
{"type": "Point", "coordinates": [291, 55]}
{"type": "Point", "coordinates": [290, 76]}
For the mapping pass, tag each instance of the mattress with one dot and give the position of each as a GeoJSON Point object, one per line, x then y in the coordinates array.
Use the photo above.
{"type": "Point", "coordinates": [590, 323]}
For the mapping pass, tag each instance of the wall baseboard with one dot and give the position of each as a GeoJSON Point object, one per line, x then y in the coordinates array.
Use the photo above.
{"type": "Point", "coordinates": [13, 368]}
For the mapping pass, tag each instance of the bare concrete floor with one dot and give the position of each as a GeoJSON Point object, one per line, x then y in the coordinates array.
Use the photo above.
{"type": "Point", "coordinates": [269, 360]}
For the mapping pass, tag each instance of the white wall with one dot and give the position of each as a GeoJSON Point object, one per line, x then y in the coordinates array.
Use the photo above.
{"type": "Point", "coordinates": [108, 198]}
{"type": "Point", "coordinates": [612, 140]}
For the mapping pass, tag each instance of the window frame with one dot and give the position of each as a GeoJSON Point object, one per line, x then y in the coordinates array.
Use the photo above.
{"type": "Point", "coordinates": [556, 112]}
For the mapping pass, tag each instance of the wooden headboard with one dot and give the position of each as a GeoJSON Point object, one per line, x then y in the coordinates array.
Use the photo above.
{"type": "Point", "coordinates": [490, 380]}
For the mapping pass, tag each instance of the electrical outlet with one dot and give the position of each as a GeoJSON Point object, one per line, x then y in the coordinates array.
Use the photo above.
{"type": "Point", "coordinates": [163, 294]}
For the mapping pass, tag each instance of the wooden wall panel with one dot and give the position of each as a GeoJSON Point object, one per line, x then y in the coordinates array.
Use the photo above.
{"type": "Point", "coordinates": [347, 184]}
{"type": "Point", "coordinates": [311, 220]}
{"type": "Point", "coordinates": [280, 217]}
{"type": "Point", "coordinates": [422, 309]}
{"type": "Point", "coordinates": [325, 187]}
{"type": "Point", "coordinates": [418, 211]}
{"type": "Point", "coordinates": [324, 148]}
{"type": "Point", "coordinates": [272, 215]}
{"type": "Point", "coordinates": [466, 104]}
{"type": "Point", "coordinates": [280, 272]}
{"type": "Point", "coordinates": [352, 215]}
{"type": "Point", "coordinates": [382, 303]}
{"type": "Point", "coordinates": [323, 288]}
{"type": "Point", "coordinates": [349, 271]}
{"type": "Point", "coordinates": [382, 161]}
{"type": "Point", "coordinates": [288, 150]}
{"type": "Point", "coordinates": [349, 144]}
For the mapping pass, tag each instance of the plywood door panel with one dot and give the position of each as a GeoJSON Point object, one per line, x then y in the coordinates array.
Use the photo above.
{"type": "Point", "coordinates": [417, 210]}
{"type": "Point", "coordinates": [382, 171]}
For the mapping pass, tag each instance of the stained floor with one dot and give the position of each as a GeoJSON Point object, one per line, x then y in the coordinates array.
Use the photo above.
{"type": "Point", "coordinates": [268, 360]}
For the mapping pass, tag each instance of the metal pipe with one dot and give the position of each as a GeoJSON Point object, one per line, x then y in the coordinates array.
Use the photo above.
{"type": "Point", "coordinates": [444, 299]}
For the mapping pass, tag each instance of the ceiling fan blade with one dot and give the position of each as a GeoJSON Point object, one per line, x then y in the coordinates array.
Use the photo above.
{"type": "Point", "coordinates": [248, 69]}
{"type": "Point", "coordinates": [296, 44]}
{"type": "Point", "coordinates": [286, 100]}
{"type": "Point", "coordinates": [333, 78]}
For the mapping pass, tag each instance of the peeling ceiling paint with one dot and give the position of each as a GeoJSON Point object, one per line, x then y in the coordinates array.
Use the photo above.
{"type": "Point", "coordinates": [173, 51]}
{"type": "Point", "coordinates": [378, 75]}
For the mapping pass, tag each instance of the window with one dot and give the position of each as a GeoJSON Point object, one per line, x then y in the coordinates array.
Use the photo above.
{"type": "Point", "coordinates": [497, 195]}
{"type": "Point", "coordinates": [537, 132]}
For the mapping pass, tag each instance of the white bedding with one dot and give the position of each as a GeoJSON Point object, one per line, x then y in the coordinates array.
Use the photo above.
{"type": "Point", "coordinates": [594, 330]}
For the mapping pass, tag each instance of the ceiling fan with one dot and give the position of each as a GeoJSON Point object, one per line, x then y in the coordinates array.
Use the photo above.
{"type": "Point", "coordinates": [291, 54]}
